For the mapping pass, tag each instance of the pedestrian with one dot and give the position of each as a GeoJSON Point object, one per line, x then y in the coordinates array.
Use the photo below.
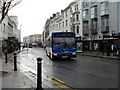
{"type": "Point", "coordinates": [23, 47]}
{"type": "Point", "coordinates": [5, 48]}
{"type": "Point", "coordinates": [12, 48]}
{"type": "Point", "coordinates": [112, 49]}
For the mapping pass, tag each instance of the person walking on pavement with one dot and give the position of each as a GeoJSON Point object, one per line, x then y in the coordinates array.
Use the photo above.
{"type": "Point", "coordinates": [5, 48]}
{"type": "Point", "coordinates": [112, 49]}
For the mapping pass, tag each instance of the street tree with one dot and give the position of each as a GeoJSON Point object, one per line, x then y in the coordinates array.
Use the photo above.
{"type": "Point", "coordinates": [5, 6]}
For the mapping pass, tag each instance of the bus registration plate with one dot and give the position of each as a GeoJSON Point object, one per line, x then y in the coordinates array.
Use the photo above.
{"type": "Point", "coordinates": [64, 56]}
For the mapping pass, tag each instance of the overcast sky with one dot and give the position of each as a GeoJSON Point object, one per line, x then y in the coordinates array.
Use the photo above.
{"type": "Point", "coordinates": [32, 14]}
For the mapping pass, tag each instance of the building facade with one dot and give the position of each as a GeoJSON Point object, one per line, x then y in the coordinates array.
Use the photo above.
{"type": "Point", "coordinates": [35, 39]}
{"type": "Point", "coordinates": [26, 40]}
{"type": "Point", "coordinates": [99, 21]}
{"type": "Point", "coordinates": [8, 30]}
{"type": "Point", "coordinates": [65, 21]}
{"type": "Point", "coordinates": [76, 15]}
{"type": "Point", "coordinates": [95, 23]}
{"type": "Point", "coordinates": [0, 31]}
{"type": "Point", "coordinates": [16, 31]}
{"type": "Point", "coordinates": [119, 26]}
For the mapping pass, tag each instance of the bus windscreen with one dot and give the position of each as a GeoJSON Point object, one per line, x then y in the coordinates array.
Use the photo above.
{"type": "Point", "coordinates": [64, 42]}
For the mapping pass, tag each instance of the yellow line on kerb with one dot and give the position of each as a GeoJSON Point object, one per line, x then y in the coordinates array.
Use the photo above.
{"type": "Point", "coordinates": [57, 79]}
{"type": "Point", "coordinates": [58, 83]}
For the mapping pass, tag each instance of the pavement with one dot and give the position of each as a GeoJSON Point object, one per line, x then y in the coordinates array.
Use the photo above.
{"type": "Point", "coordinates": [100, 54]}
{"type": "Point", "coordinates": [17, 80]}
{"type": "Point", "coordinates": [10, 79]}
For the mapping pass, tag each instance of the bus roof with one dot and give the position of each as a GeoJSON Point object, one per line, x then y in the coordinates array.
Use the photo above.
{"type": "Point", "coordinates": [63, 34]}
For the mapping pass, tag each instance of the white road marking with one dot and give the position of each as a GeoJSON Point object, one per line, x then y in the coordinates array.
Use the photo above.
{"type": "Point", "coordinates": [32, 70]}
{"type": "Point", "coordinates": [44, 70]}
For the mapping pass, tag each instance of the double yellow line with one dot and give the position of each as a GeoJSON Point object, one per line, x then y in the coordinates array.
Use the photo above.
{"type": "Point", "coordinates": [58, 82]}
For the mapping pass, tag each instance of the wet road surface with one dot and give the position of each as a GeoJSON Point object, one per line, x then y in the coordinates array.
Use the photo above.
{"type": "Point", "coordinates": [82, 72]}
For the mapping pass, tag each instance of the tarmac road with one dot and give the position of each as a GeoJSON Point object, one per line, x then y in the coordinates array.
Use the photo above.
{"type": "Point", "coordinates": [82, 72]}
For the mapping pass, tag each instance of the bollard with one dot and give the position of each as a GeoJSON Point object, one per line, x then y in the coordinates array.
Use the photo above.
{"type": "Point", "coordinates": [5, 57]}
{"type": "Point", "coordinates": [39, 74]}
{"type": "Point", "coordinates": [15, 61]}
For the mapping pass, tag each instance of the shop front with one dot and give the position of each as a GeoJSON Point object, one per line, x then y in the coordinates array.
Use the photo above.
{"type": "Point", "coordinates": [79, 44]}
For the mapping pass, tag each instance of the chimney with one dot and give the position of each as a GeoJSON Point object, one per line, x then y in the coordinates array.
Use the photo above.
{"type": "Point", "coordinates": [54, 15]}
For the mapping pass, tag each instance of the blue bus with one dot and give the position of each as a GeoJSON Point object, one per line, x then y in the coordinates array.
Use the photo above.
{"type": "Point", "coordinates": [61, 45]}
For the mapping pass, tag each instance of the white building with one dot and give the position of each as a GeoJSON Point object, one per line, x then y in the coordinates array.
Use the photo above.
{"type": "Point", "coordinates": [91, 20]}
{"type": "Point", "coordinates": [65, 21]}
{"type": "Point", "coordinates": [36, 38]}
{"type": "Point", "coordinates": [26, 39]}
{"type": "Point", "coordinates": [3, 32]}
{"type": "Point", "coordinates": [16, 31]}
{"type": "Point", "coordinates": [8, 28]}
{"type": "Point", "coordinates": [76, 17]}
{"type": "Point", "coordinates": [58, 23]}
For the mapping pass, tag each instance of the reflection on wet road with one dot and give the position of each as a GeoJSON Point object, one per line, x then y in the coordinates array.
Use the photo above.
{"type": "Point", "coordinates": [82, 72]}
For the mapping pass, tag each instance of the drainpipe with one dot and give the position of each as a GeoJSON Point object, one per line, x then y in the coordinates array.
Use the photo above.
{"type": "Point", "coordinates": [118, 17]}
{"type": "Point", "coordinates": [119, 29]}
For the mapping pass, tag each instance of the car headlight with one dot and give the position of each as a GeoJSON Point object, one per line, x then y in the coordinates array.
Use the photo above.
{"type": "Point", "coordinates": [73, 53]}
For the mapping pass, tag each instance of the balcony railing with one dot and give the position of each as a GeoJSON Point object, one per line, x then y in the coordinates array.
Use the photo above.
{"type": "Point", "coordinates": [85, 32]}
{"type": "Point", "coordinates": [76, 22]}
{"type": "Point", "coordinates": [94, 15]}
{"type": "Point", "coordinates": [94, 30]}
{"type": "Point", "coordinates": [104, 12]}
{"type": "Point", "coordinates": [85, 18]}
{"type": "Point", "coordinates": [105, 29]}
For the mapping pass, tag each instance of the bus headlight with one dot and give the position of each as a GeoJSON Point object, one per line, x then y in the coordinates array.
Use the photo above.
{"type": "Point", "coordinates": [54, 54]}
{"type": "Point", "coordinates": [73, 53]}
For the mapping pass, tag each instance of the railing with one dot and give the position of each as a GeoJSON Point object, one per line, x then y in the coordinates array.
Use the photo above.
{"type": "Point", "coordinates": [105, 29]}
{"type": "Point", "coordinates": [85, 32]}
{"type": "Point", "coordinates": [94, 31]}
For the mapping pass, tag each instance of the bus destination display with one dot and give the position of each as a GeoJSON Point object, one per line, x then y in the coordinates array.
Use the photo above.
{"type": "Point", "coordinates": [63, 34]}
